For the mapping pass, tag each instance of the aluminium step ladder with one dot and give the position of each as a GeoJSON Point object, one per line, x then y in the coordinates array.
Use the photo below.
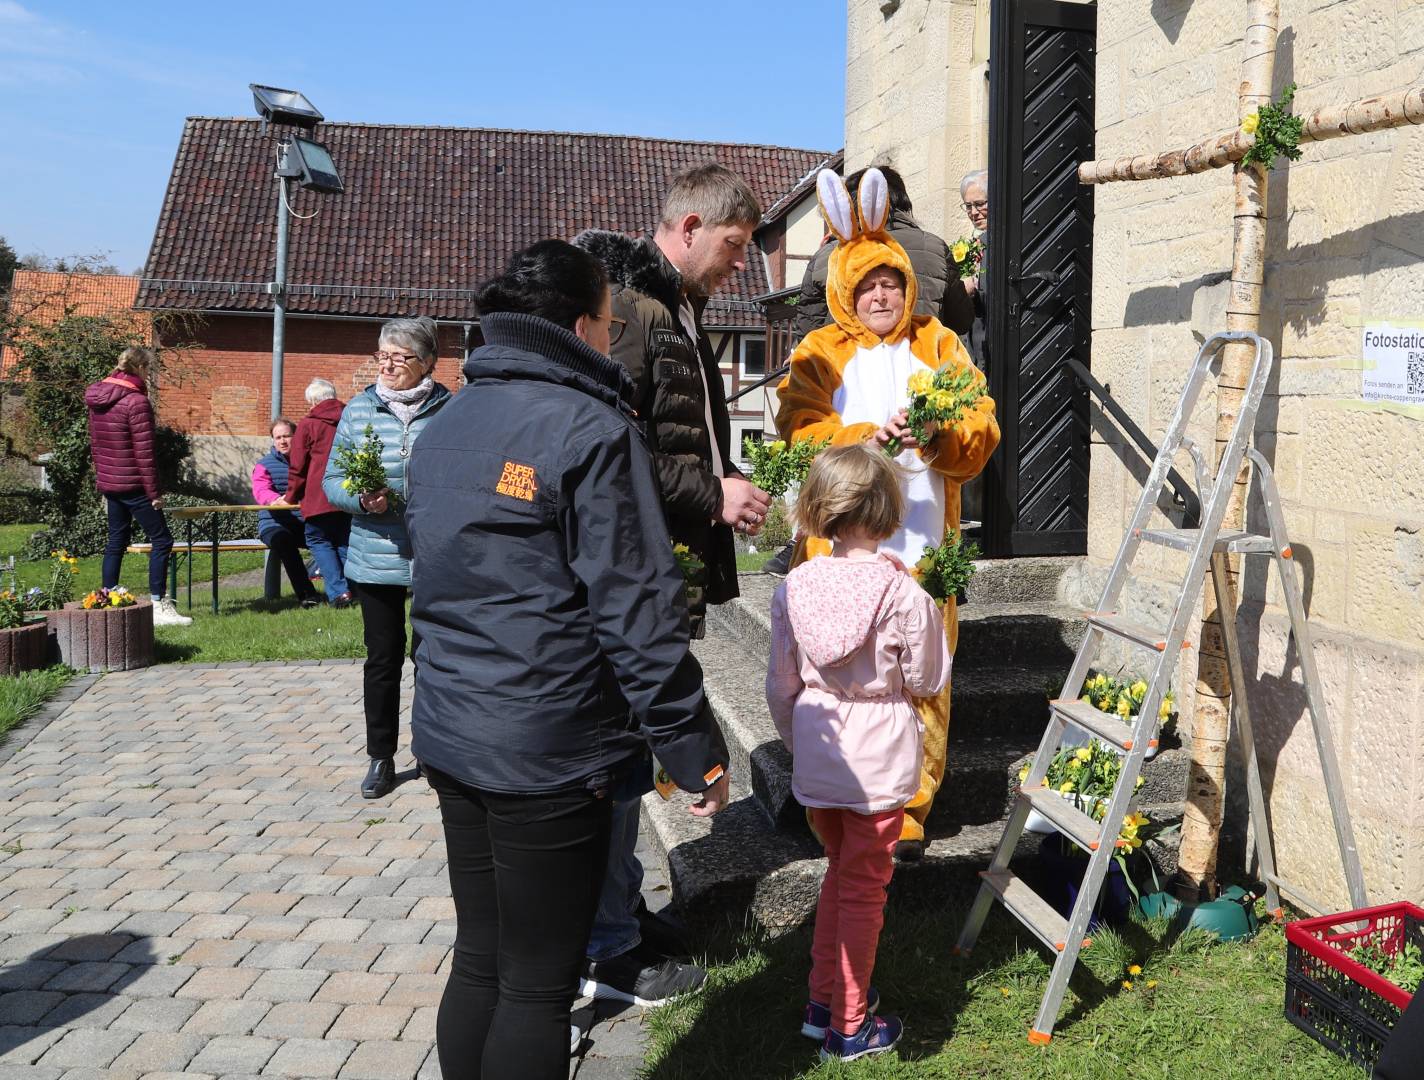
{"type": "Point", "coordinates": [1069, 717]}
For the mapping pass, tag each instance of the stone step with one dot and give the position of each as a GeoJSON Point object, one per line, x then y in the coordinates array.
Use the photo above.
{"type": "Point", "coordinates": [990, 632]}
{"type": "Point", "coordinates": [733, 865]}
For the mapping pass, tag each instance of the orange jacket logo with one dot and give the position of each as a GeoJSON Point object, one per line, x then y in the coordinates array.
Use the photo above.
{"type": "Point", "coordinates": [517, 481]}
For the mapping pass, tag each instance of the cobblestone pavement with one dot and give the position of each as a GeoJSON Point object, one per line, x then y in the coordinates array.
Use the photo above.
{"type": "Point", "coordinates": [191, 885]}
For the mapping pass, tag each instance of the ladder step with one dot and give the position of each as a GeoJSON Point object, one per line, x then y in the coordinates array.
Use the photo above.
{"type": "Point", "coordinates": [1115, 624]}
{"type": "Point", "coordinates": [1105, 726]}
{"type": "Point", "coordinates": [1029, 908]}
{"type": "Point", "coordinates": [1066, 818]}
{"type": "Point", "coordinates": [1230, 540]}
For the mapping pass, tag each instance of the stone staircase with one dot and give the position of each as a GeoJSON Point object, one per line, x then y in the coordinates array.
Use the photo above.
{"type": "Point", "coordinates": [757, 857]}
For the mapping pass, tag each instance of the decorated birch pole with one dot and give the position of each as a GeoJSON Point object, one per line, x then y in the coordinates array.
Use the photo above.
{"type": "Point", "coordinates": [1396, 109]}
{"type": "Point", "coordinates": [1211, 729]}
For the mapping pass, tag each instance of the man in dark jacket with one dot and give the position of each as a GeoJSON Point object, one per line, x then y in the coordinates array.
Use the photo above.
{"type": "Point", "coordinates": [941, 292]}
{"type": "Point", "coordinates": [974, 192]}
{"type": "Point", "coordinates": [660, 286]}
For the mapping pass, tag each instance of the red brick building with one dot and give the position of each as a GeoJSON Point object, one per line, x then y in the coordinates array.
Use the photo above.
{"type": "Point", "coordinates": [428, 213]}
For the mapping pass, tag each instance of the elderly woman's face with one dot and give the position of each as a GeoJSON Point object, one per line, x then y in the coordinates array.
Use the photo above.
{"type": "Point", "coordinates": [399, 368]}
{"type": "Point", "coordinates": [880, 300]}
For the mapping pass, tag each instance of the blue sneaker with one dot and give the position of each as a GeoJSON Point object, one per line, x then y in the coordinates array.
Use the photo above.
{"type": "Point", "coordinates": [817, 1020]}
{"type": "Point", "coordinates": [876, 1035]}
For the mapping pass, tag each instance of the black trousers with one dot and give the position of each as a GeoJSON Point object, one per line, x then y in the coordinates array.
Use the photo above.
{"type": "Point", "coordinates": [286, 545]}
{"type": "Point", "coordinates": [539, 860]}
{"type": "Point", "coordinates": [383, 625]}
{"type": "Point", "coordinates": [124, 509]}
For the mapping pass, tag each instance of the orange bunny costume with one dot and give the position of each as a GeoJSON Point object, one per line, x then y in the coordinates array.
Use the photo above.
{"type": "Point", "coordinates": [846, 381]}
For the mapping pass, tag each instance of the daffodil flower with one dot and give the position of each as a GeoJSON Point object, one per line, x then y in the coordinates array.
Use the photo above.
{"type": "Point", "coordinates": [1251, 123]}
{"type": "Point", "coordinates": [1066, 786]}
{"type": "Point", "coordinates": [1084, 754]}
{"type": "Point", "coordinates": [960, 250]}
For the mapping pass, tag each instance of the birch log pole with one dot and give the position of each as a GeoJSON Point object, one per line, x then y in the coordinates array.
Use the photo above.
{"type": "Point", "coordinates": [1206, 781]}
{"type": "Point", "coordinates": [1395, 109]}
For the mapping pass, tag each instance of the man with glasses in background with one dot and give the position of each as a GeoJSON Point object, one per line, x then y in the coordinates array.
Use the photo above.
{"type": "Point", "coordinates": [974, 194]}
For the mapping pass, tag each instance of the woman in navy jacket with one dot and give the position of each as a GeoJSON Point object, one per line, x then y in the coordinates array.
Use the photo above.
{"type": "Point", "coordinates": [553, 652]}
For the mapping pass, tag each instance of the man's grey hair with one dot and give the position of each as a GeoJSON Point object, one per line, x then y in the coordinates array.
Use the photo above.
{"type": "Point", "coordinates": [320, 390]}
{"type": "Point", "coordinates": [978, 178]}
{"type": "Point", "coordinates": [714, 193]}
{"type": "Point", "coordinates": [420, 335]}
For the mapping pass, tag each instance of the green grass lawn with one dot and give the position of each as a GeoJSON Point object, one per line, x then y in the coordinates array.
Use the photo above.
{"type": "Point", "coordinates": [1215, 1011]}
{"type": "Point", "coordinates": [753, 561]}
{"type": "Point", "coordinates": [135, 569]}
{"type": "Point", "coordinates": [22, 695]}
{"type": "Point", "coordinates": [247, 627]}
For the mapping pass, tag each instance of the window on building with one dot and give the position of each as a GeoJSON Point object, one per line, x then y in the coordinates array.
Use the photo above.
{"type": "Point", "coordinates": [754, 434]}
{"type": "Point", "coordinates": [754, 356]}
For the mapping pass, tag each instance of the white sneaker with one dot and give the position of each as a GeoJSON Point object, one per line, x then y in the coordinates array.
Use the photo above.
{"type": "Point", "coordinates": [575, 1037]}
{"type": "Point", "coordinates": [165, 613]}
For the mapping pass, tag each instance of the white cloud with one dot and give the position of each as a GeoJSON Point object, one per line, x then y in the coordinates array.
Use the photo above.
{"type": "Point", "coordinates": [13, 13]}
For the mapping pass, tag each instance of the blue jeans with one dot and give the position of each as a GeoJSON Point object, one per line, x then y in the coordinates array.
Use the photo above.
{"type": "Point", "coordinates": [327, 537]}
{"type": "Point", "coordinates": [615, 923]}
{"type": "Point", "coordinates": [124, 508]}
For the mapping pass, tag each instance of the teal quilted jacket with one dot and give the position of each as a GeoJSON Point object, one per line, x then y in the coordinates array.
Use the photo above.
{"type": "Point", "coordinates": [379, 553]}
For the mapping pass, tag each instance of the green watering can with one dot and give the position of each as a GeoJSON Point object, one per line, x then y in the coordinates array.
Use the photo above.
{"type": "Point", "coordinates": [1231, 916]}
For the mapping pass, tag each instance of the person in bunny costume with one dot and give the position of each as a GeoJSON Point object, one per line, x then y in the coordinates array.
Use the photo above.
{"type": "Point", "coordinates": [848, 384]}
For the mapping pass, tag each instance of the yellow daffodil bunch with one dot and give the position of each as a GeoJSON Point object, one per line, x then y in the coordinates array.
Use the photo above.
{"type": "Point", "coordinates": [1122, 698]}
{"type": "Point", "coordinates": [939, 397]}
{"type": "Point", "coordinates": [968, 254]}
{"type": "Point", "coordinates": [1251, 123]}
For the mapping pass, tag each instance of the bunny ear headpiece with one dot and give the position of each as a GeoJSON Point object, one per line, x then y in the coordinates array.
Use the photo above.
{"type": "Point", "coordinates": [840, 213]}
{"type": "Point", "coordinates": [863, 245]}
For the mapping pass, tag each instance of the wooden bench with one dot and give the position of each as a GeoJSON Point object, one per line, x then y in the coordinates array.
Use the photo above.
{"type": "Point", "coordinates": [189, 547]}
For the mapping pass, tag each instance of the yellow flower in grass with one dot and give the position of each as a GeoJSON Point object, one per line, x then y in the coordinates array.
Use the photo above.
{"type": "Point", "coordinates": [960, 250]}
{"type": "Point", "coordinates": [1127, 984]}
{"type": "Point", "coordinates": [1134, 970]}
{"type": "Point", "coordinates": [921, 382]}
{"type": "Point", "coordinates": [1251, 123]}
{"type": "Point", "coordinates": [1152, 984]}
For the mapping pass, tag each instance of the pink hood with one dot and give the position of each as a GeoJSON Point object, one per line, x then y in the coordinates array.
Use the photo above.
{"type": "Point", "coordinates": [833, 605]}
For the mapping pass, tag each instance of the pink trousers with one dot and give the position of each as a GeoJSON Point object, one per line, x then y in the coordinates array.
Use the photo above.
{"type": "Point", "coordinates": [860, 852]}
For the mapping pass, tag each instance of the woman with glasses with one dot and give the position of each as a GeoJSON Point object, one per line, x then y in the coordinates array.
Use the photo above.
{"type": "Point", "coordinates": [397, 406]}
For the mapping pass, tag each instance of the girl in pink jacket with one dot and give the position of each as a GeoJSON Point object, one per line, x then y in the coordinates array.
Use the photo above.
{"type": "Point", "coordinates": [853, 638]}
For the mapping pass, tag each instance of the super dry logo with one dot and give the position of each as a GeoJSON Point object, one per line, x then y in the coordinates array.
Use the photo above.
{"type": "Point", "coordinates": [517, 481]}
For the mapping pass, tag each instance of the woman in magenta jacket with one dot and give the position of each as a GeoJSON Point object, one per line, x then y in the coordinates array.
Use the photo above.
{"type": "Point", "coordinates": [121, 443]}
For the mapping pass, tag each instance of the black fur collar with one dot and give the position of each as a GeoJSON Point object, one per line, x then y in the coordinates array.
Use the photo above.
{"type": "Point", "coordinates": [634, 264]}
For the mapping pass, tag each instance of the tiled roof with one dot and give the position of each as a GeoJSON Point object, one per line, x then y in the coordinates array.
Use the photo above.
{"type": "Point", "coordinates": [783, 205]}
{"type": "Point", "coordinates": [428, 213]}
{"type": "Point", "coordinates": [43, 297]}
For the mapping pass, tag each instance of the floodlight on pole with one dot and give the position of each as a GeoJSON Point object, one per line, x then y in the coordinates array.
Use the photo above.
{"type": "Point", "coordinates": [308, 162]}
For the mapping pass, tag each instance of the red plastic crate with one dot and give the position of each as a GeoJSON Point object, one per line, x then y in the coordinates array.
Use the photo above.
{"type": "Point", "coordinates": [1341, 1003]}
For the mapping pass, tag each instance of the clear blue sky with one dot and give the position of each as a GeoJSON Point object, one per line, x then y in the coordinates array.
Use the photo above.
{"type": "Point", "coordinates": [93, 94]}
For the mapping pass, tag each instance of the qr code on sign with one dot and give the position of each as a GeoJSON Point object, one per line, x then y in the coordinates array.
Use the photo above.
{"type": "Point", "coordinates": [1416, 373]}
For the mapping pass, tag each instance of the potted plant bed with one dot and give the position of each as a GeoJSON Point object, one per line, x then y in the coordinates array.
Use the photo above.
{"type": "Point", "coordinates": [104, 638]}
{"type": "Point", "coordinates": [24, 647]}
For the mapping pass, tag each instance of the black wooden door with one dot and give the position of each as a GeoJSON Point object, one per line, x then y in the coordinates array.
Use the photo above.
{"type": "Point", "coordinates": [1039, 274]}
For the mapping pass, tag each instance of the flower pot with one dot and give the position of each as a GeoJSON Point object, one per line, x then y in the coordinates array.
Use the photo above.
{"type": "Point", "coordinates": [23, 648]}
{"type": "Point", "coordinates": [1062, 872]}
{"type": "Point", "coordinates": [104, 639]}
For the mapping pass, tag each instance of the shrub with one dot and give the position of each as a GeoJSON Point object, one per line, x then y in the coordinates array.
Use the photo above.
{"type": "Point", "coordinates": [776, 529]}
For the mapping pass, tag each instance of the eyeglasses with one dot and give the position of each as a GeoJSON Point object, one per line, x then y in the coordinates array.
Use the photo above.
{"type": "Point", "coordinates": [616, 326]}
{"type": "Point", "coordinates": [396, 358]}
{"type": "Point", "coordinates": [981, 204]}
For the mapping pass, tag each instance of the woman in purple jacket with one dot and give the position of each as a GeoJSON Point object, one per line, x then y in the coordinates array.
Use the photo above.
{"type": "Point", "coordinates": [121, 442]}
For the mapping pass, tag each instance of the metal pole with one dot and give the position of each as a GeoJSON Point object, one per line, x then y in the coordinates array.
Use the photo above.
{"type": "Point", "coordinates": [279, 287]}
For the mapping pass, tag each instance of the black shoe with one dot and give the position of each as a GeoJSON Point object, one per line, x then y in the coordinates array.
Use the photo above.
{"type": "Point", "coordinates": [345, 600]}
{"type": "Point", "coordinates": [780, 563]}
{"type": "Point", "coordinates": [380, 778]}
{"type": "Point", "coordinates": [311, 601]}
{"type": "Point", "coordinates": [639, 980]}
{"type": "Point", "coordinates": [910, 850]}
{"type": "Point", "coordinates": [660, 934]}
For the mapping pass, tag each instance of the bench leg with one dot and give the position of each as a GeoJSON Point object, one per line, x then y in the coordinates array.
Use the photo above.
{"type": "Point", "coordinates": [215, 563]}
